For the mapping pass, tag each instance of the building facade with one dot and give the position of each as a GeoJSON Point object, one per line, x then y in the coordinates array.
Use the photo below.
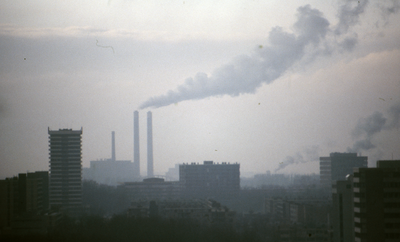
{"type": "Point", "coordinates": [24, 198]}
{"type": "Point", "coordinates": [151, 189]}
{"type": "Point", "coordinates": [209, 179]}
{"type": "Point", "coordinates": [343, 211]}
{"type": "Point", "coordinates": [66, 170]}
{"type": "Point", "coordinates": [338, 165]}
{"type": "Point", "coordinates": [377, 202]}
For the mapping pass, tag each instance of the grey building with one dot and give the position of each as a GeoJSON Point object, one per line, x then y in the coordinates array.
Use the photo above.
{"type": "Point", "coordinates": [151, 189]}
{"type": "Point", "coordinates": [65, 181]}
{"type": "Point", "coordinates": [209, 179]}
{"type": "Point", "coordinates": [111, 171]}
{"type": "Point", "coordinates": [338, 165]}
{"type": "Point", "coordinates": [342, 211]}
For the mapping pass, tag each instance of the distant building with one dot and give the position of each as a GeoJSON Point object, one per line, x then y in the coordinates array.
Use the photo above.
{"type": "Point", "coordinates": [173, 173]}
{"type": "Point", "coordinates": [111, 171]}
{"type": "Point", "coordinates": [343, 211]}
{"type": "Point", "coordinates": [338, 165]}
{"type": "Point", "coordinates": [209, 179]}
{"type": "Point", "coordinates": [203, 211]}
{"type": "Point", "coordinates": [152, 188]}
{"type": "Point", "coordinates": [310, 212]}
{"type": "Point", "coordinates": [377, 202]}
{"type": "Point", "coordinates": [299, 232]}
{"type": "Point", "coordinates": [66, 170]}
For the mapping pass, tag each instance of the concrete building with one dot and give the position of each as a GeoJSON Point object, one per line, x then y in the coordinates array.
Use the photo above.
{"type": "Point", "coordinates": [24, 198]}
{"type": "Point", "coordinates": [338, 165]}
{"type": "Point", "coordinates": [209, 179]}
{"type": "Point", "coordinates": [343, 211]}
{"type": "Point", "coordinates": [377, 202]}
{"type": "Point", "coordinates": [203, 211]}
{"type": "Point", "coordinates": [66, 170]}
{"type": "Point", "coordinates": [151, 188]}
{"type": "Point", "coordinates": [297, 211]}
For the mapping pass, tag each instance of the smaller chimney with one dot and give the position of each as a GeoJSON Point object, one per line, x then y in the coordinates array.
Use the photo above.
{"type": "Point", "coordinates": [113, 146]}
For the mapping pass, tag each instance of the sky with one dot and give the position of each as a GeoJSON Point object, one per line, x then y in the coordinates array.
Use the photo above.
{"type": "Point", "coordinates": [272, 85]}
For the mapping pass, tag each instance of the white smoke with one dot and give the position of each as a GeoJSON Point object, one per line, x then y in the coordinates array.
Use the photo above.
{"type": "Point", "coordinates": [312, 37]}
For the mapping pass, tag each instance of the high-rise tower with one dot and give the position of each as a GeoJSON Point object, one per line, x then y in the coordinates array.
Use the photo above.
{"type": "Point", "coordinates": [136, 152]}
{"type": "Point", "coordinates": [149, 145]}
{"type": "Point", "coordinates": [65, 185]}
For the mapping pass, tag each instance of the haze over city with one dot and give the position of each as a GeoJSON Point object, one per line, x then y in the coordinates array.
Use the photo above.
{"type": "Point", "coordinates": [270, 85]}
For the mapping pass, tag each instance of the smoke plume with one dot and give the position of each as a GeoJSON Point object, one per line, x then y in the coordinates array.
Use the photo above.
{"type": "Point", "coordinates": [246, 74]}
{"type": "Point", "coordinates": [364, 132]}
{"type": "Point", "coordinates": [367, 128]}
{"type": "Point", "coordinates": [308, 154]}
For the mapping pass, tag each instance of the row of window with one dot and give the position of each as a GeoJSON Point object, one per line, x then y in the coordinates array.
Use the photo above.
{"type": "Point", "coordinates": [392, 225]}
{"type": "Point", "coordinates": [391, 184]}
{"type": "Point", "coordinates": [391, 215]}
{"type": "Point", "coordinates": [392, 205]}
{"type": "Point", "coordinates": [391, 195]}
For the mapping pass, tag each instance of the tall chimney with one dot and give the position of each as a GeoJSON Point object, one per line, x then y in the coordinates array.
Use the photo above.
{"type": "Point", "coordinates": [149, 145]}
{"type": "Point", "coordinates": [113, 146]}
{"type": "Point", "coordinates": [136, 153]}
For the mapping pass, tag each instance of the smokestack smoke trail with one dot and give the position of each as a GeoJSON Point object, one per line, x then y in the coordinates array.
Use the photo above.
{"type": "Point", "coordinates": [136, 152]}
{"type": "Point", "coordinates": [312, 37]}
{"type": "Point", "coordinates": [113, 146]}
{"type": "Point", "coordinates": [367, 128]}
{"type": "Point", "coordinates": [308, 154]}
{"type": "Point", "coordinates": [149, 145]}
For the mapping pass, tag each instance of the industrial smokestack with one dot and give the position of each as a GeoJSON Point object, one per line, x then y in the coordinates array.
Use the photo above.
{"type": "Point", "coordinates": [149, 145]}
{"type": "Point", "coordinates": [113, 146]}
{"type": "Point", "coordinates": [136, 153]}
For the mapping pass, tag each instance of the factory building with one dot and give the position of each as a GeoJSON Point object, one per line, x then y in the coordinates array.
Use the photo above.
{"type": "Point", "coordinates": [110, 171]}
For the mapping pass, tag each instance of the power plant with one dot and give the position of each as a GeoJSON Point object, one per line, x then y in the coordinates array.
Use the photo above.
{"type": "Point", "coordinates": [136, 146]}
{"type": "Point", "coordinates": [136, 151]}
{"type": "Point", "coordinates": [149, 145]}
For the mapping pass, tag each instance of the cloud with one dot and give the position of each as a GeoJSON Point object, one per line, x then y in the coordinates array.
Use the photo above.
{"type": "Point", "coordinates": [349, 15]}
{"type": "Point", "coordinates": [246, 74]}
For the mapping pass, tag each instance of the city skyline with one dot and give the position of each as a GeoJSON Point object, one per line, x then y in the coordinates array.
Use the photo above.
{"type": "Point", "coordinates": [337, 91]}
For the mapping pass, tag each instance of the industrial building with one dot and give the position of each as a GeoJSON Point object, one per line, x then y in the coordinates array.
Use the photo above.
{"type": "Point", "coordinates": [111, 171]}
{"type": "Point", "coordinates": [209, 179]}
{"type": "Point", "coordinates": [66, 170]}
{"type": "Point", "coordinates": [136, 145]}
{"type": "Point", "coordinates": [338, 165]}
{"type": "Point", "coordinates": [150, 168]}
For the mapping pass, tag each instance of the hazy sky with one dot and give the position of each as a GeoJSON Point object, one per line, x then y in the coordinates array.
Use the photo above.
{"type": "Point", "coordinates": [271, 85]}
